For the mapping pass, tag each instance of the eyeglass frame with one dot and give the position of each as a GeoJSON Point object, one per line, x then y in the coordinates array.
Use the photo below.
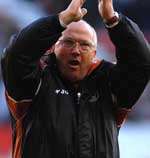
{"type": "Point", "coordinates": [77, 43]}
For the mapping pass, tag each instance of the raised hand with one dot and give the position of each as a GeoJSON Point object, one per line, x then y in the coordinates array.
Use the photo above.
{"type": "Point", "coordinates": [74, 12]}
{"type": "Point", "coordinates": [106, 9]}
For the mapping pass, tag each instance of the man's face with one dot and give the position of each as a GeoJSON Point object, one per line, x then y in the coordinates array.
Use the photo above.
{"type": "Point", "coordinates": [75, 51]}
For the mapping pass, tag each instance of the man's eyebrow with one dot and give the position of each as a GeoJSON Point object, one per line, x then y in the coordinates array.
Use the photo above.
{"type": "Point", "coordinates": [67, 38]}
{"type": "Point", "coordinates": [84, 41]}
{"type": "Point", "coordinates": [87, 42]}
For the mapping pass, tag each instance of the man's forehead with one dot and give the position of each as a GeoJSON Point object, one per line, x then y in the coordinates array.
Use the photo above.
{"type": "Point", "coordinates": [78, 28]}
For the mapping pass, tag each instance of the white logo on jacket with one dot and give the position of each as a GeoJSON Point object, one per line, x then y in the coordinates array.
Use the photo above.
{"type": "Point", "coordinates": [61, 91]}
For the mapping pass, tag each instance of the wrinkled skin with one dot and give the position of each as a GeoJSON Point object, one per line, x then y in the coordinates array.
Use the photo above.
{"type": "Point", "coordinates": [74, 64]}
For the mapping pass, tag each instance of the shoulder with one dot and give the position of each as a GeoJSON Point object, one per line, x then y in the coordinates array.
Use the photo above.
{"type": "Point", "coordinates": [105, 66]}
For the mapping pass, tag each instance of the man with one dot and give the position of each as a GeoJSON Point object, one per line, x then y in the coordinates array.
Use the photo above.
{"type": "Point", "coordinates": [74, 105]}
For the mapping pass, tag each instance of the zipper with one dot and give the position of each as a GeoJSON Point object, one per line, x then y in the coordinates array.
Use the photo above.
{"type": "Point", "coordinates": [78, 97]}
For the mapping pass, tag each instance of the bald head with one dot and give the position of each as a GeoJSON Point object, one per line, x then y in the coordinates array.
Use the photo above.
{"type": "Point", "coordinates": [81, 29]}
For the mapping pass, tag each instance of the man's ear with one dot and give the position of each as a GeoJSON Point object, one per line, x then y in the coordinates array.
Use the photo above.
{"type": "Point", "coordinates": [95, 58]}
{"type": "Point", "coordinates": [50, 50]}
{"type": "Point", "coordinates": [94, 53]}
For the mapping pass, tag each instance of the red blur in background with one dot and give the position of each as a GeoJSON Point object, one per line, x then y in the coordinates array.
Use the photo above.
{"type": "Point", "coordinates": [5, 140]}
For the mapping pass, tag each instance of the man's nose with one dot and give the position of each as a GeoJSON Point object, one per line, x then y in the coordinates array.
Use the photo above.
{"type": "Point", "coordinates": [76, 48]}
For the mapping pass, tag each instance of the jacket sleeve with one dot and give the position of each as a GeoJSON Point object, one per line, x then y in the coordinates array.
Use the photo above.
{"type": "Point", "coordinates": [20, 60]}
{"type": "Point", "coordinates": [131, 73]}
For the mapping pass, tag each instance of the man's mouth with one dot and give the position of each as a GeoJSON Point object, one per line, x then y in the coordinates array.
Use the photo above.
{"type": "Point", "coordinates": [74, 64]}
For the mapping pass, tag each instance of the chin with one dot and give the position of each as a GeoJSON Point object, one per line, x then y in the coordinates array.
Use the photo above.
{"type": "Point", "coordinates": [75, 78]}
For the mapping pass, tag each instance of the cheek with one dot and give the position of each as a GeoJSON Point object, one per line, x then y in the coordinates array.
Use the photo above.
{"type": "Point", "coordinates": [87, 60]}
{"type": "Point", "coordinates": [61, 53]}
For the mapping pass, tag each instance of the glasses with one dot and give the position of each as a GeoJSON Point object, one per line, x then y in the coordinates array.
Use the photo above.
{"type": "Point", "coordinates": [83, 46]}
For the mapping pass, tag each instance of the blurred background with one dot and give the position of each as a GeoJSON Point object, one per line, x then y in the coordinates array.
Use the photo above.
{"type": "Point", "coordinates": [134, 136]}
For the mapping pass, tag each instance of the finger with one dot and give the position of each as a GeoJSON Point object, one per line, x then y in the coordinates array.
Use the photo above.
{"type": "Point", "coordinates": [77, 3]}
{"type": "Point", "coordinates": [82, 2]}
